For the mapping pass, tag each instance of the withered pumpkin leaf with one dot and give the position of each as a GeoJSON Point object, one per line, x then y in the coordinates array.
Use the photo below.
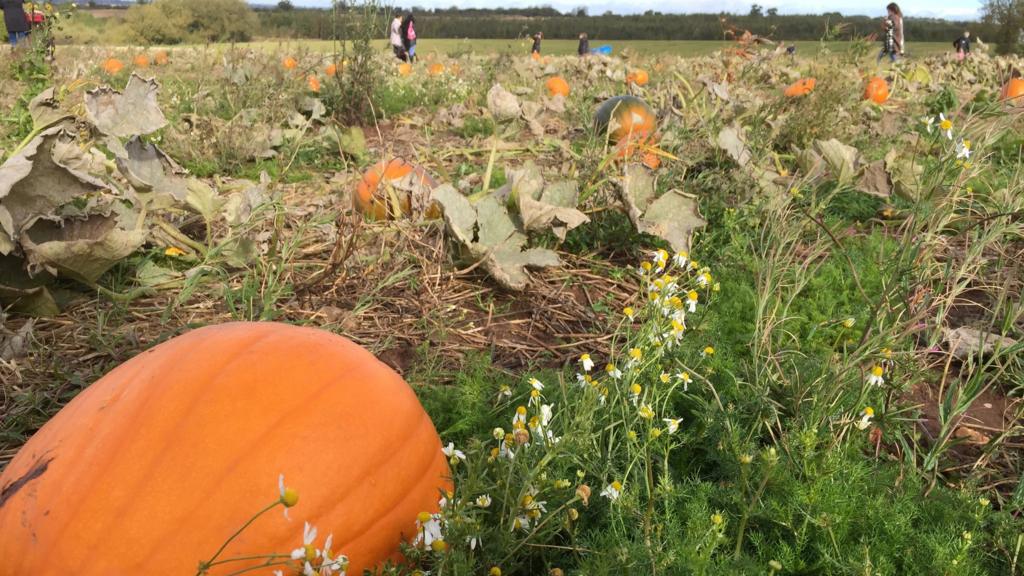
{"type": "Point", "coordinates": [132, 113]}
{"type": "Point", "coordinates": [639, 187]}
{"type": "Point", "coordinates": [81, 249]}
{"type": "Point", "coordinates": [152, 174]}
{"type": "Point", "coordinates": [673, 217]}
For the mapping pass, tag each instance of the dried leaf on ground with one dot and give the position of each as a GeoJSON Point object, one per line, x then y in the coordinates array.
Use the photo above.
{"type": "Point", "coordinates": [81, 249]}
{"type": "Point", "coordinates": [33, 185]}
{"type": "Point", "coordinates": [45, 110]}
{"type": "Point", "coordinates": [673, 217]}
{"type": "Point", "coordinates": [965, 342]}
{"type": "Point", "coordinates": [503, 104]}
{"type": "Point", "coordinates": [638, 191]}
{"type": "Point", "coordinates": [730, 139]}
{"type": "Point", "coordinates": [152, 174]}
{"type": "Point", "coordinates": [874, 180]}
{"type": "Point", "coordinates": [14, 344]}
{"type": "Point", "coordinates": [134, 112]}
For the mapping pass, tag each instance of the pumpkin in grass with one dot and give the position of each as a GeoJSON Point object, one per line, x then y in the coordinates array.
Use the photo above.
{"type": "Point", "coordinates": [152, 468]}
{"type": "Point", "coordinates": [801, 87]}
{"type": "Point", "coordinates": [161, 58]}
{"type": "Point", "coordinates": [638, 77]}
{"type": "Point", "coordinates": [436, 69]}
{"type": "Point", "coordinates": [557, 86]}
{"type": "Point", "coordinates": [1013, 90]}
{"type": "Point", "coordinates": [331, 70]}
{"type": "Point", "coordinates": [625, 117]}
{"type": "Point", "coordinates": [112, 66]}
{"type": "Point", "coordinates": [141, 61]}
{"type": "Point", "coordinates": [877, 90]}
{"type": "Point", "coordinates": [405, 69]}
{"type": "Point", "coordinates": [393, 182]}
{"type": "Point", "coordinates": [290, 63]}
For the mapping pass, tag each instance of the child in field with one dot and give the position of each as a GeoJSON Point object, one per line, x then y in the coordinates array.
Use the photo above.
{"type": "Point", "coordinates": [536, 43]}
{"type": "Point", "coordinates": [963, 46]}
{"type": "Point", "coordinates": [584, 48]}
{"type": "Point", "coordinates": [889, 42]}
{"type": "Point", "coordinates": [409, 36]}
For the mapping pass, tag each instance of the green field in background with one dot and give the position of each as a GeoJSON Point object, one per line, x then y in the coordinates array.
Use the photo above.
{"type": "Point", "coordinates": [568, 47]}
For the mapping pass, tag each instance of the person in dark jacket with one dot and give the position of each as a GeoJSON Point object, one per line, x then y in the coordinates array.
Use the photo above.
{"type": "Point", "coordinates": [963, 45]}
{"type": "Point", "coordinates": [584, 48]}
{"type": "Point", "coordinates": [536, 42]}
{"type": "Point", "coordinates": [15, 20]}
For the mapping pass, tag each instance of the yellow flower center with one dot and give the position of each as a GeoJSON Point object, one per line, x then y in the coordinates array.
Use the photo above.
{"type": "Point", "coordinates": [946, 124]}
{"type": "Point", "coordinates": [635, 389]}
{"type": "Point", "coordinates": [869, 411]}
{"type": "Point", "coordinates": [877, 370]}
{"type": "Point", "coordinates": [521, 410]}
{"type": "Point", "coordinates": [709, 350]}
{"type": "Point", "coordinates": [438, 545]}
{"type": "Point", "coordinates": [423, 517]}
{"type": "Point", "coordinates": [290, 497]}
{"type": "Point", "coordinates": [664, 378]}
{"type": "Point", "coordinates": [692, 296]}
{"type": "Point", "coordinates": [494, 571]}
{"type": "Point", "coordinates": [617, 486]}
{"type": "Point", "coordinates": [635, 353]}
{"type": "Point", "coordinates": [628, 311]}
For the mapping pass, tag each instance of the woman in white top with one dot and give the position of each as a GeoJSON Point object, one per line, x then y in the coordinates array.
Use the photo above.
{"type": "Point", "coordinates": [896, 15]}
{"type": "Point", "coordinates": [396, 38]}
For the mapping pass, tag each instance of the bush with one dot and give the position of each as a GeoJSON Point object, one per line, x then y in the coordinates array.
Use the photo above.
{"type": "Point", "coordinates": [177, 21]}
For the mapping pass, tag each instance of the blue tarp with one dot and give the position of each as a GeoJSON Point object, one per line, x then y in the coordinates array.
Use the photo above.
{"type": "Point", "coordinates": [606, 50]}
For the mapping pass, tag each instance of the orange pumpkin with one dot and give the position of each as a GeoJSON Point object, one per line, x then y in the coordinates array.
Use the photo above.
{"type": "Point", "coordinates": [405, 69]}
{"type": "Point", "coordinates": [153, 467]}
{"type": "Point", "coordinates": [877, 90]}
{"type": "Point", "coordinates": [652, 160]}
{"type": "Point", "coordinates": [161, 58]}
{"type": "Point", "coordinates": [112, 66]}
{"type": "Point", "coordinates": [313, 82]}
{"type": "Point", "coordinates": [375, 200]}
{"type": "Point", "coordinates": [331, 70]}
{"type": "Point", "coordinates": [638, 77]}
{"type": "Point", "coordinates": [801, 87]}
{"type": "Point", "coordinates": [436, 69]}
{"type": "Point", "coordinates": [141, 61]}
{"type": "Point", "coordinates": [290, 63]}
{"type": "Point", "coordinates": [535, 55]}
{"type": "Point", "coordinates": [625, 117]}
{"type": "Point", "coordinates": [557, 86]}
{"type": "Point", "coordinates": [1013, 90]}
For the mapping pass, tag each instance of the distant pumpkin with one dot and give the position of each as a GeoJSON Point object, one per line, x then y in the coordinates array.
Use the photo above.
{"type": "Point", "coordinates": [436, 69]}
{"type": "Point", "coordinates": [1013, 91]}
{"type": "Point", "coordinates": [161, 58]}
{"type": "Point", "coordinates": [153, 467]}
{"type": "Point", "coordinates": [112, 66]}
{"type": "Point", "coordinates": [877, 90]}
{"type": "Point", "coordinates": [313, 82]}
{"type": "Point", "coordinates": [638, 77]}
{"type": "Point", "coordinates": [626, 117]}
{"type": "Point", "coordinates": [290, 63]}
{"type": "Point", "coordinates": [801, 87]}
{"type": "Point", "coordinates": [535, 55]}
{"type": "Point", "coordinates": [405, 69]}
{"type": "Point", "coordinates": [374, 197]}
{"type": "Point", "coordinates": [331, 70]}
{"type": "Point", "coordinates": [141, 61]}
{"type": "Point", "coordinates": [557, 86]}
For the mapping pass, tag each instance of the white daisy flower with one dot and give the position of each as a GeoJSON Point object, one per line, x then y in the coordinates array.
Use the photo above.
{"type": "Point", "coordinates": [587, 363]}
{"type": "Point", "coordinates": [612, 491]}
{"type": "Point", "coordinates": [865, 418]}
{"type": "Point", "coordinates": [453, 455]}
{"type": "Point", "coordinates": [672, 424]}
{"type": "Point", "coordinates": [875, 377]}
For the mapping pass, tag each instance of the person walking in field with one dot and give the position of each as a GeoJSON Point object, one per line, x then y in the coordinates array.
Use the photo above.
{"type": "Point", "coordinates": [396, 38]}
{"type": "Point", "coordinates": [584, 48]}
{"type": "Point", "coordinates": [536, 43]}
{"type": "Point", "coordinates": [16, 21]}
{"type": "Point", "coordinates": [409, 36]}
{"type": "Point", "coordinates": [888, 42]}
{"type": "Point", "coordinates": [962, 45]}
{"type": "Point", "coordinates": [896, 15]}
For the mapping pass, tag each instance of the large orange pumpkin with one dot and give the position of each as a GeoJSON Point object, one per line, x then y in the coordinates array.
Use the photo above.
{"type": "Point", "coordinates": [405, 69]}
{"type": "Point", "coordinates": [557, 86]}
{"type": "Point", "coordinates": [373, 195]}
{"type": "Point", "coordinates": [141, 61]}
{"type": "Point", "coordinates": [436, 69]}
{"type": "Point", "coordinates": [626, 117]}
{"type": "Point", "coordinates": [1013, 90]}
{"type": "Point", "coordinates": [153, 467]}
{"type": "Point", "coordinates": [801, 87]}
{"type": "Point", "coordinates": [638, 77]}
{"type": "Point", "coordinates": [877, 90]}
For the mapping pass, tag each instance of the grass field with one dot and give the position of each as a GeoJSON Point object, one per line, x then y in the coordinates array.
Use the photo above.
{"type": "Point", "coordinates": [566, 47]}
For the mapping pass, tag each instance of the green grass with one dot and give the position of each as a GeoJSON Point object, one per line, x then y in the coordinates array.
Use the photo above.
{"type": "Point", "coordinates": [449, 47]}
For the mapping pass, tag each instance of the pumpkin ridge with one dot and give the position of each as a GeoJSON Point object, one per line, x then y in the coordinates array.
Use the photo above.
{"type": "Point", "coordinates": [141, 413]}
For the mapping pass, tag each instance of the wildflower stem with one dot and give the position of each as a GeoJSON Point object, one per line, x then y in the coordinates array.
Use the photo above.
{"type": "Point", "coordinates": [203, 566]}
{"type": "Point", "coordinates": [746, 513]}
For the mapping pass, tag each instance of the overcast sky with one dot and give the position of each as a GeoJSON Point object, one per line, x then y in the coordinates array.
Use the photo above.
{"type": "Point", "coordinates": [951, 9]}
